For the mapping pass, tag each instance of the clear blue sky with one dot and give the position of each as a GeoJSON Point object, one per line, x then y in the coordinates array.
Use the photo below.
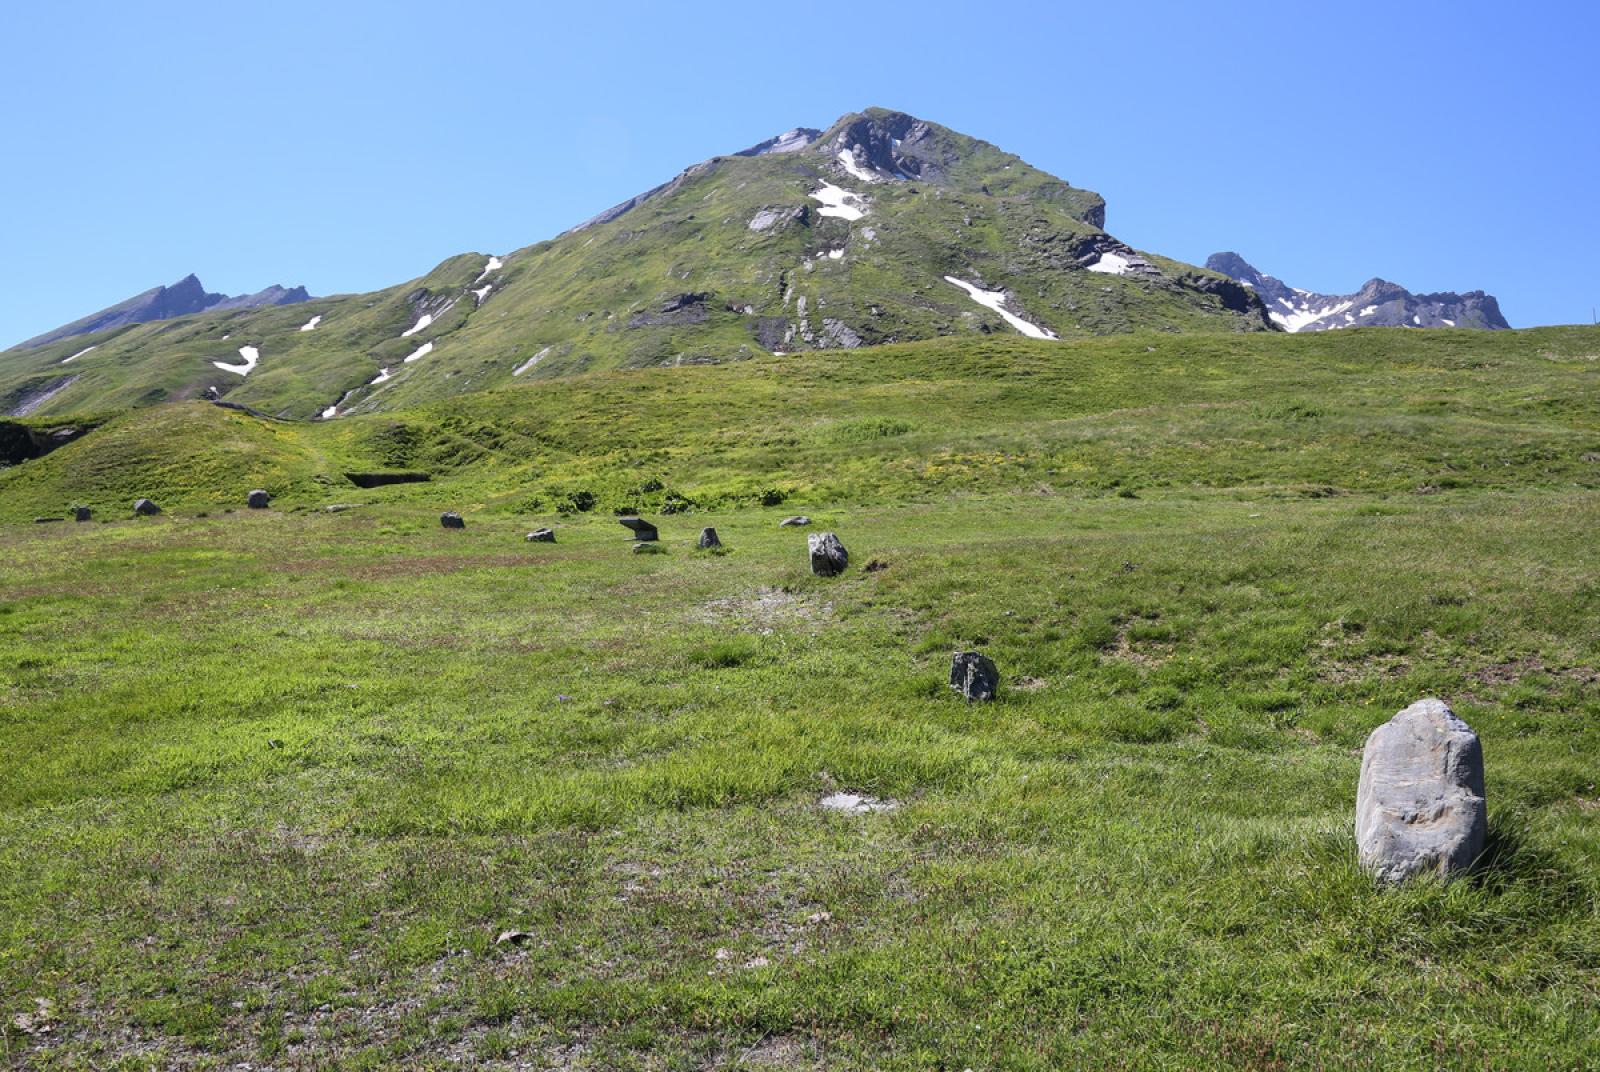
{"type": "Point", "coordinates": [349, 146]}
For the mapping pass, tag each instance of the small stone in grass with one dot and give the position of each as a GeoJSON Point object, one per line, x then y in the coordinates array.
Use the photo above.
{"type": "Point", "coordinates": [541, 536]}
{"type": "Point", "coordinates": [709, 539]}
{"type": "Point", "coordinates": [452, 520]}
{"type": "Point", "coordinates": [974, 675]}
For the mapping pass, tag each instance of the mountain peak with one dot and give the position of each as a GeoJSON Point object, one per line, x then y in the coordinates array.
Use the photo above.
{"type": "Point", "coordinates": [1379, 303]}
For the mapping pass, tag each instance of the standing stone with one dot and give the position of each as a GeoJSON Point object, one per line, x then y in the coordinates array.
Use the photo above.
{"type": "Point", "coordinates": [642, 529]}
{"type": "Point", "coordinates": [709, 539]}
{"type": "Point", "coordinates": [82, 513]}
{"type": "Point", "coordinates": [1419, 805]}
{"type": "Point", "coordinates": [974, 676]}
{"type": "Point", "coordinates": [542, 536]}
{"type": "Point", "coordinates": [828, 556]}
{"type": "Point", "coordinates": [258, 500]}
{"type": "Point", "coordinates": [794, 522]}
{"type": "Point", "coordinates": [145, 507]}
{"type": "Point", "coordinates": [452, 520]}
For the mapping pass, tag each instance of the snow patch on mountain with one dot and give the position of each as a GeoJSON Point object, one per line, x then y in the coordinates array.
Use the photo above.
{"type": "Point", "coordinates": [1112, 264]}
{"type": "Point", "coordinates": [80, 353]}
{"type": "Point", "coordinates": [837, 202]}
{"type": "Point", "coordinates": [847, 157]}
{"type": "Point", "coordinates": [311, 325]}
{"type": "Point", "coordinates": [252, 357]}
{"type": "Point", "coordinates": [420, 352]}
{"type": "Point", "coordinates": [532, 361]}
{"type": "Point", "coordinates": [995, 299]}
{"type": "Point", "coordinates": [494, 265]}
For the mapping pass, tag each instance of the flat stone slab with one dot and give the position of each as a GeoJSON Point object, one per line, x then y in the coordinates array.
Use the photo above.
{"type": "Point", "coordinates": [1420, 805]}
{"type": "Point", "coordinates": [642, 529]}
{"type": "Point", "coordinates": [541, 536]}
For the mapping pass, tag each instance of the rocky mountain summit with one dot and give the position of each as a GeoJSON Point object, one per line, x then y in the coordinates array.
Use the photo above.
{"type": "Point", "coordinates": [182, 298]}
{"type": "Point", "coordinates": [1379, 303]}
{"type": "Point", "coordinates": [881, 228]}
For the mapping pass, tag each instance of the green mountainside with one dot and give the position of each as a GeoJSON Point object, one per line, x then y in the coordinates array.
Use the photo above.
{"type": "Point", "coordinates": [1376, 411]}
{"type": "Point", "coordinates": [830, 240]}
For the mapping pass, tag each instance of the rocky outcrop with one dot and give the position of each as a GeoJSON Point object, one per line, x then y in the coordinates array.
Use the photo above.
{"type": "Point", "coordinates": [22, 442]}
{"type": "Point", "coordinates": [1379, 303]}
{"type": "Point", "coordinates": [1420, 803]}
{"type": "Point", "coordinates": [678, 310]}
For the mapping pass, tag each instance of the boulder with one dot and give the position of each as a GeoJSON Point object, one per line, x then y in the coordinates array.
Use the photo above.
{"type": "Point", "coordinates": [1419, 805]}
{"type": "Point", "coordinates": [709, 539]}
{"type": "Point", "coordinates": [82, 513]}
{"type": "Point", "coordinates": [452, 520]}
{"type": "Point", "coordinates": [258, 500]}
{"type": "Point", "coordinates": [828, 556]}
{"type": "Point", "coordinates": [542, 536]}
{"type": "Point", "coordinates": [642, 529]}
{"type": "Point", "coordinates": [792, 522]}
{"type": "Point", "coordinates": [974, 676]}
{"type": "Point", "coordinates": [145, 507]}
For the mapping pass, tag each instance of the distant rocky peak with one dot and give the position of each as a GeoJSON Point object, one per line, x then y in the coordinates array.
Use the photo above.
{"type": "Point", "coordinates": [1379, 303]}
{"type": "Point", "coordinates": [790, 141]}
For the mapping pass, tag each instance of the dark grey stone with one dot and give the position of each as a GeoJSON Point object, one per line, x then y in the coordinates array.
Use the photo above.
{"type": "Point", "coordinates": [145, 507]}
{"type": "Point", "coordinates": [709, 539]}
{"type": "Point", "coordinates": [798, 519]}
{"type": "Point", "coordinates": [974, 676]}
{"type": "Point", "coordinates": [642, 529]}
{"type": "Point", "coordinates": [828, 556]}
{"type": "Point", "coordinates": [258, 500]}
{"type": "Point", "coordinates": [542, 536]}
{"type": "Point", "coordinates": [1420, 805]}
{"type": "Point", "coordinates": [82, 513]}
{"type": "Point", "coordinates": [452, 520]}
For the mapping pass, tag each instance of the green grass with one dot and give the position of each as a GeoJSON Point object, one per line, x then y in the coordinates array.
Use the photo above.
{"type": "Point", "coordinates": [276, 780]}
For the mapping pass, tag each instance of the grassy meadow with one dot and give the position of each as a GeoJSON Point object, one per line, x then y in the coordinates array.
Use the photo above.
{"type": "Point", "coordinates": [277, 781]}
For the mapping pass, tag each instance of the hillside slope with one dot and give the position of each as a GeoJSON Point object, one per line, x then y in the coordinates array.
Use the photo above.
{"type": "Point", "coordinates": [1281, 414]}
{"type": "Point", "coordinates": [883, 228]}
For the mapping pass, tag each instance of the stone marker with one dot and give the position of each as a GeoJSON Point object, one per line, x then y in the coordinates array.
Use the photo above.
{"type": "Point", "coordinates": [795, 521]}
{"type": "Point", "coordinates": [828, 556]}
{"type": "Point", "coordinates": [1419, 805]}
{"type": "Point", "coordinates": [974, 676]}
{"type": "Point", "coordinates": [82, 513]}
{"type": "Point", "coordinates": [145, 507]}
{"type": "Point", "coordinates": [541, 536]}
{"type": "Point", "coordinates": [452, 520]}
{"type": "Point", "coordinates": [642, 529]}
{"type": "Point", "coordinates": [258, 500]}
{"type": "Point", "coordinates": [709, 539]}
